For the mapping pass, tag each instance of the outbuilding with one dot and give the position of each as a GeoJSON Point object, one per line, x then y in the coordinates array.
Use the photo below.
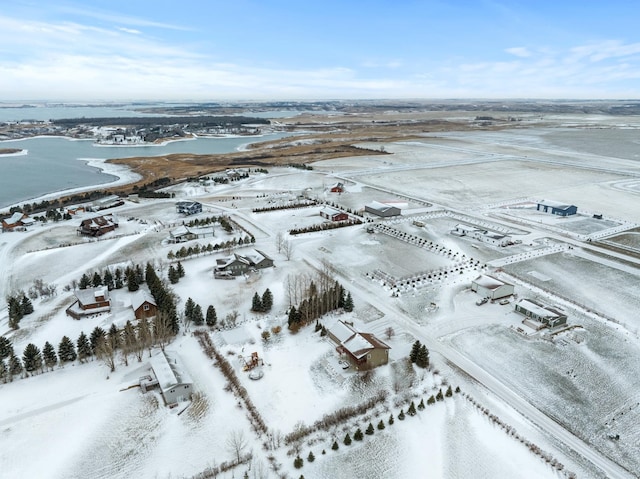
{"type": "Point", "coordinates": [174, 382]}
{"type": "Point", "coordinates": [382, 209]}
{"type": "Point", "coordinates": [143, 304]}
{"type": "Point", "coordinates": [491, 287]}
{"type": "Point", "coordinates": [556, 208]}
{"type": "Point", "coordinates": [333, 214]}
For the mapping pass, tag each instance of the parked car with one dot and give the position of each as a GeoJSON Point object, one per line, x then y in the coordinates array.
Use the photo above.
{"type": "Point", "coordinates": [504, 301]}
{"type": "Point", "coordinates": [480, 302]}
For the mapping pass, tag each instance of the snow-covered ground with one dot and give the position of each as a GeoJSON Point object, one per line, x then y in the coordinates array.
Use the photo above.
{"type": "Point", "coordinates": [82, 421]}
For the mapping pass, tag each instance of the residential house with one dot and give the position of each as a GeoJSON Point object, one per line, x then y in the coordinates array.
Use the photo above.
{"type": "Point", "coordinates": [97, 226]}
{"type": "Point", "coordinates": [238, 264]}
{"type": "Point", "coordinates": [362, 350]}
{"type": "Point", "coordinates": [90, 301]}
{"type": "Point", "coordinates": [485, 236]}
{"type": "Point", "coordinates": [547, 315]}
{"type": "Point", "coordinates": [187, 233]}
{"type": "Point", "coordinates": [337, 188]}
{"type": "Point", "coordinates": [188, 207]}
{"type": "Point", "coordinates": [175, 383]}
{"type": "Point", "coordinates": [143, 304]}
{"type": "Point", "coordinates": [17, 221]}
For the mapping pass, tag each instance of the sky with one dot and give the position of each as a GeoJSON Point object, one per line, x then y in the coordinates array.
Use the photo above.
{"type": "Point", "coordinates": [205, 50]}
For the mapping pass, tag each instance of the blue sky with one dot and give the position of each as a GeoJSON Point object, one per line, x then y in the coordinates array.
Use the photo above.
{"type": "Point", "coordinates": [285, 49]}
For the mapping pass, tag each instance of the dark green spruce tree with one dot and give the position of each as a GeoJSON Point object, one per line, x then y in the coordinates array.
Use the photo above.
{"type": "Point", "coordinates": [83, 346]}
{"type": "Point", "coordinates": [32, 358]}
{"type": "Point", "coordinates": [49, 355]}
{"type": "Point", "coordinates": [66, 350]}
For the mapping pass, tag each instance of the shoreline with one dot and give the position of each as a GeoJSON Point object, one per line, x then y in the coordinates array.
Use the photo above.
{"type": "Point", "coordinates": [15, 153]}
{"type": "Point", "coordinates": [123, 176]}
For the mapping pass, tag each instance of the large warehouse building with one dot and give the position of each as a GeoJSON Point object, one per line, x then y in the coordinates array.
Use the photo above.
{"type": "Point", "coordinates": [490, 287]}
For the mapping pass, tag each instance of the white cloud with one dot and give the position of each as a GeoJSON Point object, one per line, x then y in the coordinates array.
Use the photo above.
{"type": "Point", "coordinates": [130, 30]}
{"type": "Point", "coordinates": [519, 52]}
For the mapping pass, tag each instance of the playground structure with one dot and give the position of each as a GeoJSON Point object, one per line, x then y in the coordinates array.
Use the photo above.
{"type": "Point", "coordinates": [251, 362]}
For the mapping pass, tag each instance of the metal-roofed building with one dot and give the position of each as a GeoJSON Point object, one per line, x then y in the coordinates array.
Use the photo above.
{"type": "Point", "coordinates": [90, 301]}
{"type": "Point", "coordinates": [490, 287]}
{"type": "Point", "coordinates": [174, 382]}
{"type": "Point", "coordinates": [556, 208]}
{"type": "Point", "coordinates": [382, 209]}
{"type": "Point", "coordinates": [542, 313]}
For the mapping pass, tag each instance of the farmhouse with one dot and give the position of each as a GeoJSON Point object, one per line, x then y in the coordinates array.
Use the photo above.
{"type": "Point", "coordinates": [90, 301]}
{"type": "Point", "coordinates": [238, 264]}
{"type": "Point", "coordinates": [97, 226]}
{"type": "Point", "coordinates": [491, 287]}
{"type": "Point", "coordinates": [555, 208]}
{"type": "Point", "coordinates": [362, 350]}
{"type": "Point", "coordinates": [544, 314]}
{"type": "Point", "coordinates": [188, 207]}
{"type": "Point", "coordinates": [382, 209]}
{"type": "Point", "coordinates": [174, 382]}
{"type": "Point", "coordinates": [143, 304]}
{"type": "Point", "coordinates": [187, 233]}
{"type": "Point", "coordinates": [485, 236]}
{"type": "Point", "coordinates": [18, 220]}
{"type": "Point", "coordinates": [333, 215]}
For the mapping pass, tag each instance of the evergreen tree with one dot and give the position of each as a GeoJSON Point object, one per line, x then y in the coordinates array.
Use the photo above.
{"type": "Point", "coordinates": [118, 281]}
{"type": "Point", "coordinates": [114, 337]}
{"type": "Point", "coordinates": [370, 430]}
{"type": "Point", "coordinates": [401, 415]}
{"type": "Point", "coordinates": [439, 396]}
{"type": "Point", "coordinates": [4, 371]}
{"type": "Point", "coordinates": [347, 440]}
{"type": "Point", "coordinates": [32, 358]}
{"type": "Point", "coordinates": [298, 462]}
{"type": "Point", "coordinates": [84, 347]}
{"type": "Point", "coordinates": [66, 350]}
{"type": "Point", "coordinates": [173, 275]}
{"type": "Point", "coordinates": [96, 280]}
{"type": "Point", "coordinates": [14, 366]}
{"type": "Point", "coordinates": [412, 409]}
{"type": "Point", "coordinates": [15, 312]}
{"type": "Point", "coordinates": [421, 405]}
{"type": "Point", "coordinates": [140, 277]}
{"type": "Point", "coordinates": [108, 279]}
{"type": "Point", "coordinates": [457, 389]}
{"type": "Point", "coordinates": [180, 270]}
{"type": "Point", "coordinates": [256, 305]}
{"type": "Point", "coordinates": [267, 300]}
{"type": "Point", "coordinates": [422, 360]}
{"type": "Point", "coordinates": [358, 435]}
{"type": "Point", "coordinates": [198, 318]}
{"type": "Point", "coordinates": [6, 349]}
{"type": "Point", "coordinates": [311, 457]}
{"type": "Point", "coordinates": [381, 425]}
{"type": "Point", "coordinates": [85, 282]}
{"type": "Point", "coordinates": [189, 306]}
{"type": "Point", "coordinates": [415, 349]}
{"type": "Point", "coordinates": [391, 420]}
{"type": "Point", "coordinates": [26, 305]}
{"type": "Point", "coordinates": [348, 303]}
{"type": "Point", "coordinates": [449, 392]}
{"type": "Point", "coordinates": [98, 334]}
{"type": "Point", "coordinates": [335, 446]}
{"type": "Point", "coordinates": [212, 317]}
{"type": "Point", "coordinates": [49, 355]}
{"type": "Point", "coordinates": [293, 316]}
{"type": "Point", "coordinates": [431, 400]}
{"type": "Point", "coordinates": [132, 280]}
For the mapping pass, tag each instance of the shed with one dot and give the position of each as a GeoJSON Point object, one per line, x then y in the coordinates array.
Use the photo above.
{"type": "Point", "coordinates": [143, 304]}
{"type": "Point", "coordinates": [382, 209]}
{"type": "Point", "coordinates": [333, 214]}
{"type": "Point", "coordinates": [491, 287]}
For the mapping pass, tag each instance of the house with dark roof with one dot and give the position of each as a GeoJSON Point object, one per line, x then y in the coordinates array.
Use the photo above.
{"type": "Point", "coordinates": [556, 208]}
{"type": "Point", "coordinates": [238, 264]}
{"type": "Point", "coordinates": [97, 226]}
{"type": "Point", "coordinates": [547, 315]}
{"type": "Point", "coordinates": [362, 350]}
{"type": "Point", "coordinates": [90, 301]}
{"type": "Point", "coordinates": [188, 207]}
{"type": "Point", "coordinates": [187, 233]}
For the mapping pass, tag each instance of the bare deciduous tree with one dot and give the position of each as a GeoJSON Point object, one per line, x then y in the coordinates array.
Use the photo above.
{"type": "Point", "coordinates": [287, 249]}
{"type": "Point", "coordinates": [106, 353]}
{"type": "Point", "coordinates": [280, 241]}
{"type": "Point", "coordinates": [389, 333]}
{"type": "Point", "coordinates": [236, 442]}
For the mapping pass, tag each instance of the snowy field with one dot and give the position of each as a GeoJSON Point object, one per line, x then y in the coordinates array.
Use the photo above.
{"type": "Point", "coordinates": [584, 378]}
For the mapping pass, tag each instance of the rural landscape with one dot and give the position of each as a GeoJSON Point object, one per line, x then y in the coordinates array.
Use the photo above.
{"type": "Point", "coordinates": [387, 289]}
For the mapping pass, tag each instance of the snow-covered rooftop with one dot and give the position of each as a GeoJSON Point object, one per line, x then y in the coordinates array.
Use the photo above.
{"type": "Point", "coordinates": [489, 282]}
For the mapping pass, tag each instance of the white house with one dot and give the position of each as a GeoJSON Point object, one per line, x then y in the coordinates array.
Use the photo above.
{"type": "Point", "coordinates": [174, 382]}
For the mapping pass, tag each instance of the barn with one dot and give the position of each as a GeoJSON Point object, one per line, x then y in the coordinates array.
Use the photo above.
{"type": "Point", "coordinates": [556, 208]}
{"type": "Point", "coordinates": [143, 304]}
{"type": "Point", "coordinates": [491, 287]}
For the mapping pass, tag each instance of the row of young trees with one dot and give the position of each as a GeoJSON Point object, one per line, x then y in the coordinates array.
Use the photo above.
{"type": "Point", "coordinates": [19, 306]}
{"type": "Point", "coordinates": [288, 206]}
{"type": "Point", "coordinates": [324, 226]}
{"type": "Point", "coordinates": [197, 249]}
{"type": "Point", "coordinates": [132, 276]}
{"type": "Point", "coordinates": [175, 273]}
{"type": "Point", "coordinates": [318, 303]}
